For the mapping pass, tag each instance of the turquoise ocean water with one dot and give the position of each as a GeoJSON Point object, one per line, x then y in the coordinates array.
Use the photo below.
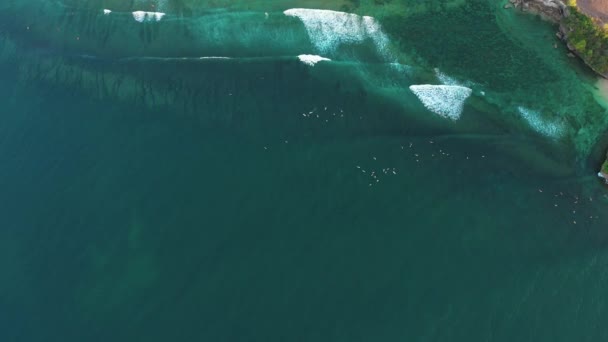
{"type": "Point", "coordinates": [433, 181]}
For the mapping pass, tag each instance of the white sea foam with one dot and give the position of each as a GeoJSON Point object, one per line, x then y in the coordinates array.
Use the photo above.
{"type": "Point", "coordinates": [444, 100]}
{"type": "Point", "coordinates": [330, 29]}
{"type": "Point", "coordinates": [106, 11]}
{"type": "Point", "coordinates": [214, 57]}
{"type": "Point", "coordinates": [312, 59]}
{"type": "Point", "coordinates": [543, 126]}
{"type": "Point", "coordinates": [445, 79]}
{"type": "Point", "coordinates": [139, 16]}
{"type": "Point", "coordinates": [142, 16]}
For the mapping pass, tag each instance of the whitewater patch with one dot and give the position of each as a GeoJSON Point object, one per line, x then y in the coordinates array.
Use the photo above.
{"type": "Point", "coordinates": [543, 126]}
{"type": "Point", "coordinates": [142, 16]}
{"type": "Point", "coordinates": [311, 60]}
{"type": "Point", "coordinates": [106, 11]}
{"type": "Point", "coordinates": [328, 30]}
{"type": "Point", "coordinates": [444, 100]}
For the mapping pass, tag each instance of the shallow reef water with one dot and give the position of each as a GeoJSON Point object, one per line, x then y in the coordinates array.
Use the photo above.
{"type": "Point", "coordinates": [103, 49]}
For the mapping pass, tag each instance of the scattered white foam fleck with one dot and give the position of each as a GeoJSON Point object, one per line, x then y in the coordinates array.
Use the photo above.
{"type": "Point", "coordinates": [106, 11]}
{"type": "Point", "coordinates": [401, 68]}
{"type": "Point", "coordinates": [541, 125]}
{"type": "Point", "coordinates": [142, 16]}
{"type": "Point", "coordinates": [158, 15]}
{"type": "Point", "coordinates": [445, 79]}
{"type": "Point", "coordinates": [444, 100]}
{"type": "Point", "coordinates": [312, 59]}
{"type": "Point", "coordinates": [330, 29]}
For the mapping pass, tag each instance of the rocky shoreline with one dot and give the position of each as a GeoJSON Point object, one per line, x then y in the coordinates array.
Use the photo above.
{"type": "Point", "coordinates": [604, 170]}
{"type": "Point", "coordinates": [557, 11]}
{"type": "Point", "coordinates": [553, 10]}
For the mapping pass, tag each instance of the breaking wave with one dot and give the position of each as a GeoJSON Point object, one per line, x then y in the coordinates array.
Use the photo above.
{"type": "Point", "coordinates": [312, 59]}
{"type": "Point", "coordinates": [142, 16]}
{"type": "Point", "coordinates": [444, 100]}
{"type": "Point", "coordinates": [330, 29]}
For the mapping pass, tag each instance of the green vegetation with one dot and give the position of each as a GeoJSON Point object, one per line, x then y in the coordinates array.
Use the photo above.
{"type": "Point", "coordinates": [605, 167]}
{"type": "Point", "coordinates": [589, 38]}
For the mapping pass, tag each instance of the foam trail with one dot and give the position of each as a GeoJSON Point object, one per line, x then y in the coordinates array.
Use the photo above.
{"type": "Point", "coordinates": [142, 16]}
{"type": "Point", "coordinates": [312, 59]}
{"type": "Point", "coordinates": [444, 100]}
{"type": "Point", "coordinates": [214, 57]}
{"type": "Point", "coordinates": [330, 29]}
{"type": "Point", "coordinates": [543, 126]}
{"type": "Point", "coordinates": [445, 79]}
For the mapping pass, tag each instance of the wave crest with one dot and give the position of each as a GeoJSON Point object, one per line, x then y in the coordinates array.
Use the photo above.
{"type": "Point", "coordinates": [142, 16]}
{"type": "Point", "coordinates": [312, 59]}
{"type": "Point", "coordinates": [330, 29]}
{"type": "Point", "coordinates": [444, 100]}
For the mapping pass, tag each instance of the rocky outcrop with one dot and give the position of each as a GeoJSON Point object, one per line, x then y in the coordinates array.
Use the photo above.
{"type": "Point", "coordinates": [604, 171]}
{"type": "Point", "coordinates": [553, 10]}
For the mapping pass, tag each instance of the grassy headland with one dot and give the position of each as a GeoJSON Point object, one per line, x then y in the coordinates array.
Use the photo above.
{"type": "Point", "coordinates": [588, 37]}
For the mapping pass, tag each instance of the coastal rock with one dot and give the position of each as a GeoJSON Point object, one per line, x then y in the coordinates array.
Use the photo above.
{"type": "Point", "coordinates": [555, 11]}
{"type": "Point", "coordinates": [552, 10]}
{"type": "Point", "coordinates": [604, 171]}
